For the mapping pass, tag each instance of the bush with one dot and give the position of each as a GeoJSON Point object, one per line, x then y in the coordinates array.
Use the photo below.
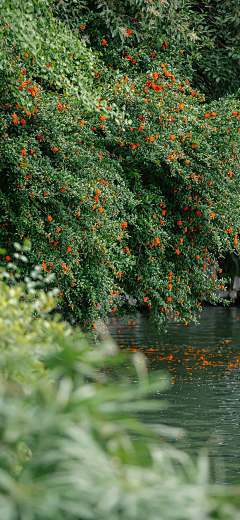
{"type": "Point", "coordinates": [134, 195]}
{"type": "Point", "coordinates": [69, 446]}
{"type": "Point", "coordinates": [200, 39]}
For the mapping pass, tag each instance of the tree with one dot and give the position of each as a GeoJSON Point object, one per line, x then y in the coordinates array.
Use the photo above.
{"type": "Point", "coordinates": [207, 32]}
{"type": "Point", "coordinates": [135, 195]}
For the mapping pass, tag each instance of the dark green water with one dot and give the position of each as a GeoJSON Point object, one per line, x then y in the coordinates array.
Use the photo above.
{"type": "Point", "coordinates": [203, 363]}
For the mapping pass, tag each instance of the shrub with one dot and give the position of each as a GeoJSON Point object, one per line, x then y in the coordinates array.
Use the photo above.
{"type": "Point", "coordinates": [70, 449]}
{"type": "Point", "coordinates": [200, 39]}
{"type": "Point", "coordinates": [134, 196]}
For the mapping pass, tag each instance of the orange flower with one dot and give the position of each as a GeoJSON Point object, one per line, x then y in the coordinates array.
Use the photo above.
{"type": "Point", "coordinates": [207, 115]}
{"type": "Point", "coordinates": [100, 210]}
{"type": "Point", "coordinates": [181, 106]}
{"type": "Point", "coordinates": [104, 41]}
{"type": "Point", "coordinates": [151, 138]}
{"type": "Point", "coordinates": [177, 251]}
{"type": "Point", "coordinates": [214, 114]}
{"type": "Point", "coordinates": [230, 173]}
{"type": "Point", "coordinates": [154, 216]}
{"type": "Point", "coordinates": [83, 122]}
{"type": "Point", "coordinates": [69, 249]}
{"type": "Point", "coordinates": [129, 31]}
{"type": "Point", "coordinates": [60, 294]}
{"type": "Point", "coordinates": [98, 191]}
{"type": "Point", "coordinates": [26, 54]}
{"type": "Point", "coordinates": [234, 113]}
{"type": "Point", "coordinates": [55, 149]}
{"type": "Point", "coordinates": [212, 215]}
{"type": "Point", "coordinates": [145, 299]}
{"type": "Point", "coordinates": [49, 218]}
{"type": "Point", "coordinates": [7, 258]}
{"type": "Point", "coordinates": [169, 299]}
{"type": "Point", "coordinates": [170, 286]}
{"type": "Point", "coordinates": [51, 263]}
{"type": "Point", "coordinates": [44, 266]}
{"type": "Point", "coordinates": [103, 118]}
{"type": "Point", "coordinates": [172, 137]}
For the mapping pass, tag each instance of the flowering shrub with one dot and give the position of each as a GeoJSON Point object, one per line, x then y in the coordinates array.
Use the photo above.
{"type": "Point", "coordinates": [33, 55]}
{"type": "Point", "coordinates": [199, 38]}
{"type": "Point", "coordinates": [135, 195]}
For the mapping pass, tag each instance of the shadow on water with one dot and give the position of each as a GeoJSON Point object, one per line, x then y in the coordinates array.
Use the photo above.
{"type": "Point", "coordinates": [203, 362]}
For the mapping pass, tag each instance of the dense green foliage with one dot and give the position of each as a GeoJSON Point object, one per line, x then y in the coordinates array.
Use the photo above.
{"type": "Point", "coordinates": [133, 194]}
{"type": "Point", "coordinates": [69, 449]}
{"type": "Point", "coordinates": [207, 33]}
{"type": "Point", "coordinates": [119, 161]}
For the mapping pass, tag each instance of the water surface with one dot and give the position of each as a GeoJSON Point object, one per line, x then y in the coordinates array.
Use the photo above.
{"type": "Point", "coordinates": [203, 363]}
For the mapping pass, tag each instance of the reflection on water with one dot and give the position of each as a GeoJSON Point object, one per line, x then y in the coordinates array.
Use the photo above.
{"type": "Point", "coordinates": [204, 396]}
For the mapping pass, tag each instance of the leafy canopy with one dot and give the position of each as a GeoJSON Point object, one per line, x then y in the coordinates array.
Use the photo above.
{"type": "Point", "coordinates": [135, 195]}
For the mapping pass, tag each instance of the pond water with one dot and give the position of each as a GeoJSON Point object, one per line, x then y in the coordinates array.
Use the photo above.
{"type": "Point", "coordinates": [203, 362]}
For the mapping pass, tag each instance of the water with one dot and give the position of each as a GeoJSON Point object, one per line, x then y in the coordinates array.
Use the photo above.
{"type": "Point", "coordinates": [203, 363]}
